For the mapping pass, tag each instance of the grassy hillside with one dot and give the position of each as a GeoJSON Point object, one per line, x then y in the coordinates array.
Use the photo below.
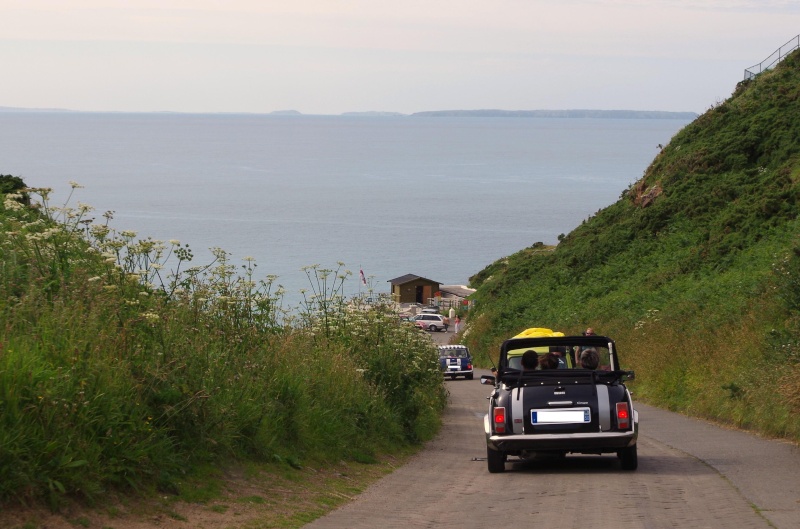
{"type": "Point", "coordinates": [695, 270]}
{"type": "Point", "coordinates": [122, 367]}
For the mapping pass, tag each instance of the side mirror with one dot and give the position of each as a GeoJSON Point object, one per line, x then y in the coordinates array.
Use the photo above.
{"type": "Point", "coordinates": [630, 375]}
{"type": "Point", "coordinates": [488, 379]}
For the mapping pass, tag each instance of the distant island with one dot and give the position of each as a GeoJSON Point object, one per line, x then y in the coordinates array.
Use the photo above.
{"type": "Point", "coordinates": [596, 114]}
{"type": "Point", "coordinates": [285, 113]}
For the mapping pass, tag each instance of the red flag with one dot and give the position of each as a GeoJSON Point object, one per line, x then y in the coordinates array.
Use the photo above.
{"type": "Point", "coordinates": [363, 279]}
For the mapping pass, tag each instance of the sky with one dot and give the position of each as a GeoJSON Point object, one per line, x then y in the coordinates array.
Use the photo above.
{"type": "Point", "coordinates": [335, 56]}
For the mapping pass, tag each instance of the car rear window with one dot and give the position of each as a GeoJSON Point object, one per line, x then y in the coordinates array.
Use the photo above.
{"type": "Point", "coordinates": [459, 352]}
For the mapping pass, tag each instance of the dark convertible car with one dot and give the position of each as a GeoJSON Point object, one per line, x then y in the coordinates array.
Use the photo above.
{"type": "Point", "coordinates": [557, 395]}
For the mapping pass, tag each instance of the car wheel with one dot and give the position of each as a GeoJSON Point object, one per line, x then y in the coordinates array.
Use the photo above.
{"type": "Point", "coordinates": [469, 376]}
{"type": "Point", "coordinates": [495, 460]}
{"type": "Point", "coordinates": [629, 458]}
{"type": "Point", "coordinates": [432, 327]}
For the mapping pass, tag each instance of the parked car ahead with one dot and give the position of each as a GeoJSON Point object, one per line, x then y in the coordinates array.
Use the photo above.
{"type": "Point", "coordinates": [455, 361]}
{"type": "Point", "coordinates": [431, 322]}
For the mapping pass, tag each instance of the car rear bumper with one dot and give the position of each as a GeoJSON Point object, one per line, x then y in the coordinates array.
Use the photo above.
{"type": "Point", "coordinates": [450, 373]}
{"type": "Point", "coordinates": [569, 442]}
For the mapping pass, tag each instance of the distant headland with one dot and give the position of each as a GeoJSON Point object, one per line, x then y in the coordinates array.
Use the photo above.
{"type": "Point", "coordinates": [595, 114]}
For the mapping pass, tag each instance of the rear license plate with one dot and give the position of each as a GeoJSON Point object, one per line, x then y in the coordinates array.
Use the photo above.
{"type": "Point", "coordinates": [571, 416]}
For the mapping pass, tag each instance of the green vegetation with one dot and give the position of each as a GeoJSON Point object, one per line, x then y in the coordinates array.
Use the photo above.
{"type": "Point", "coordinates": [121, 368]}
{"type": "Point", "coordinates": [695, 271]}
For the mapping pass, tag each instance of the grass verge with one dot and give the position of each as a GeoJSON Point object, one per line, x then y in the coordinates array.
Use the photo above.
{"type": "Point", "coordinates": [238, 496]}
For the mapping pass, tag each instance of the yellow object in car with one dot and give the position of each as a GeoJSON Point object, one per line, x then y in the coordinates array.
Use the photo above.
{"type": "Point", "coordinates": [538, 332]}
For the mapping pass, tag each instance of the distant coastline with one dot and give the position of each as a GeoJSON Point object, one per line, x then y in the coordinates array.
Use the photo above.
{"type": "Point", "coordinates": [481, 113]}
{"type": "Point", "coordinates": [580, 113]}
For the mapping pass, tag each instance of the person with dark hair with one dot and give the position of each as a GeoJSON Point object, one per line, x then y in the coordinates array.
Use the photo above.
{"type": "Point", "coordinates": [530, 360]}
{"type": "Point", "coordinates": [589, 358]}
{"type": "Point", "coordinates": [549, 361]}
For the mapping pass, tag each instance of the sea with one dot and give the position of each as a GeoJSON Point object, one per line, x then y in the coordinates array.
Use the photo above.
{"type": "Point", "coordinates": [438, 197]}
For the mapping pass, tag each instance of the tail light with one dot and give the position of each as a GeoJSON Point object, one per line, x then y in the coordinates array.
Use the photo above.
{"type": "Point", "coordinates": [499, 420]}
{"type": "Point", "coordinates": [623, 416]}
{"type": "Point", "coordinates": [469, 366]}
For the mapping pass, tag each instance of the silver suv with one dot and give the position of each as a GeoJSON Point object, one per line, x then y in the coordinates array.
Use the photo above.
{"type": "Point", "coordinates": [431, 322]}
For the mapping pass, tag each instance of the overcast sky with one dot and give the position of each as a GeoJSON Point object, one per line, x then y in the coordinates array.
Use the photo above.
{"type": "Point", "coordinates": [333, 56]}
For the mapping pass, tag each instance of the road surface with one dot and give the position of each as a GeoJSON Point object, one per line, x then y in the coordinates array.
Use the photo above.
{"type": "Point", "coordinates": [691, 475]}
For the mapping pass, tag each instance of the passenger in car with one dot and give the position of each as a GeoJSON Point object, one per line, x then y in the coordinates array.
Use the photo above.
{"type": "Point", "coordinates": [548, 361]}
{"type": "Point", "coordinates": [529, 360]}
{"type": "Point", "coordinates": [579, 349]}
{"type": "Point", "coordinates": [560, 354]}
{"type": "Point", "coordinates": [589, 358]}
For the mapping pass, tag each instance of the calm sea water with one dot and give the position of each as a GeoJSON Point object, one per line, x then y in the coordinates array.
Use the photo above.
{"type": "Point", "coordinates": [437, 197]}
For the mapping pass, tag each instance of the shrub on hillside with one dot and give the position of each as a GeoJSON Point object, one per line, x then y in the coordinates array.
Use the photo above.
{"type": "Point", "coordinates": [698, 238]}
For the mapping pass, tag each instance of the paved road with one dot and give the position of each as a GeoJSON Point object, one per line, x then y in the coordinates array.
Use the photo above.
{"type": "Point", "coordinates": [442, 338]}
{"type": "Point", "coordinates": [691, 474]}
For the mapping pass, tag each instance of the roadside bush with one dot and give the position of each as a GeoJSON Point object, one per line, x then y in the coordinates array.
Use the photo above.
{"type": "Point", "coordinates": [123, 366]}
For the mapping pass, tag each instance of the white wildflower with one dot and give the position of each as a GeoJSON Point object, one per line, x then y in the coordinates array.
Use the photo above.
{"type": "Point", "coordinates": [12, 205]}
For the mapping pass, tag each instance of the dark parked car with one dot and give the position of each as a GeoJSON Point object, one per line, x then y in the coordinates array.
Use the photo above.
{"type": "Point", "coordinates": [455, 361]}
{"type": "Point", "coordinates": [577, 404]}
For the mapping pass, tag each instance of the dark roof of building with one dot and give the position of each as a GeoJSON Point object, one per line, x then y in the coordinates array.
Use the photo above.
{"type": "Point", "coordinates": [409, 278]}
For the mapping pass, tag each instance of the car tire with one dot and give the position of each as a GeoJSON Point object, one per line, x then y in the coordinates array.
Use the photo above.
{"type": "Point", "coordinates": [629, 460]}
{"type": "Point", "coordinates": [495, 460]}
{"type": "Point", "coordinates": [432, 327]}
{"type": "Point", "coordinates": [469, 376]}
